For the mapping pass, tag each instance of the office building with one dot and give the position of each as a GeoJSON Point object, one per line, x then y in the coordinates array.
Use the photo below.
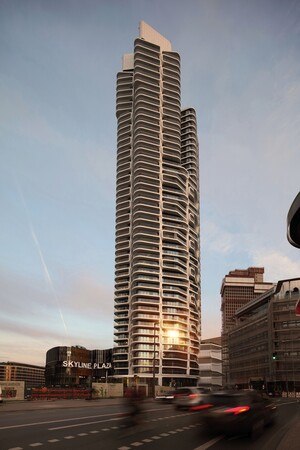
{"type": "Point", "coordinates": [33, 376]}
{"type": "Point", "coordinates": [157, 272]}
{"type": "Point", "coordinates": [210, 363]}
{"type": "Point", "coordinates": [264, 343]}
{"type": "Point", "coordinates": [238, 288]}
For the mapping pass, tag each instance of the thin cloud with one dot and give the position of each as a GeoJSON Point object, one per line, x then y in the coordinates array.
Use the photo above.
{"type": "Point", "coordinates": [278, 266]}
{"type": "Point", "coordinates": [30, 315]}
{"type": "Point", "coordinates": [85, 295]}
{"type": "Point", "coordinates": [217, 239]}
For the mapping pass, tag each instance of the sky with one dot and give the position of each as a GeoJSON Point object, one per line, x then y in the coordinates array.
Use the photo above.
{"type": "Point", "coordinates": [59, 59]}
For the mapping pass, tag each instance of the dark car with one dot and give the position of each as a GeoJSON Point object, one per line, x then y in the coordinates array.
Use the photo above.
{"type": "Point", "coordinates": [238, 412]}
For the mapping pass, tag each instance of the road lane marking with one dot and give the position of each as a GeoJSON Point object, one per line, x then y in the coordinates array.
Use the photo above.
{"type": "Point", "coordinates": [286, 403]}
{"type": "Point", "coordinates": [58, 421]}
{"type": "Point", "coordinates": [208, 444]}
{"type": "Point", "coordinates": [73, 418]}
{"type": "Point", "coordinates": [100, 421]}
{"type": "Point", "coordinates": [134, 444]}
{"type": "Point", "coordinates": [85, 423]}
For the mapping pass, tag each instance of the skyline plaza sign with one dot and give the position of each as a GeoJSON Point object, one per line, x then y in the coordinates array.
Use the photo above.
{"type": "Point", "coordinates": [83, 365]}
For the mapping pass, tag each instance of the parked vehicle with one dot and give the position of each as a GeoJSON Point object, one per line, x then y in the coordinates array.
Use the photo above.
{"type": "Point", "coordinates": [238, 412]}
{"type": "Point", "coordinates": [1, 398]}
{"type": "Point", "coordinates": [188, 397]}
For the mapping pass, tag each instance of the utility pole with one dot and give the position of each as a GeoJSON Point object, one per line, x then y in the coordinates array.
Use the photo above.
{"type": "Point", "coordinates": [154, 360]}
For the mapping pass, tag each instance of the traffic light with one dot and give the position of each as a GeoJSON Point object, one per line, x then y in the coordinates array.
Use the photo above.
{"type": "Point", "coordinates": [274, 356]}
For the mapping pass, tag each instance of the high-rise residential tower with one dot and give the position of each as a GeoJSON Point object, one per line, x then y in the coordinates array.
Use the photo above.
{"type": "Point", "coordinates": [157, 268]}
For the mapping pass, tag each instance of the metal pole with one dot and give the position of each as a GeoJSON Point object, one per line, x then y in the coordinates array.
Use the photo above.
{"type": "Point", "coordinates": [154, 362]}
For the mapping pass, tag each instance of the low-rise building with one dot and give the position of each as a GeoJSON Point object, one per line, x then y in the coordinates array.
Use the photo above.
{"type": "Point", "coordinates": [77, 366]}
{"type": "Point", "coordinates": [210, 363]}
{"type": "Point", "coordinates": [264, 344]}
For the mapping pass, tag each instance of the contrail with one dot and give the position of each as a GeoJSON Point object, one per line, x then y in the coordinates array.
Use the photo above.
{"type": "Point", "coordinates": [44, 265]}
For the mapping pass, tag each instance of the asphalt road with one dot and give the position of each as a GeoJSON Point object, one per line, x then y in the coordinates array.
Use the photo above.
{"type": "Point", "coordinates": [102, 427]}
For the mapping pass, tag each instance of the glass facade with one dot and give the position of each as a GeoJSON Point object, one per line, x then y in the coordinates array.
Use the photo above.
{"type": "Point", "coordinates": [77, 366]}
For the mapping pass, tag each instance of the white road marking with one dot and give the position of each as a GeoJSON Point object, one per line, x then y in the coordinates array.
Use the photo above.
{"type": "Point", "coordinates": [164, 434]}
{"type": "Point", "coordinates": [57, 421]}
{"type": "Point", "coordinates": [136, 444]}
{"type": "Point", "coordinates": [94, 431]}
{"type": "Point", "coordinates": [155, 437]}
{"type": "Point", "coordinates": [82, 434]}
{"type": "Point", "coordinates": [208, 444]}
{"type": "Point", "coordinates": [147, 440]}
{"type": "Point", "coordinates": [69, 437]}
{"type": "Point", "coordinates": [286, 403]}
{"type": "Point", "coordinates": [105, 429]}
{"type": "Point", "coordinates": [36, 444]}
{"type": "Point", "coordinates": [124, 448]}
{"type": "Point", "coordinates": [84, 423]}
{"type": "Point", "coordinates": [53, 440]}
{"type": "Point", "coordinates": [16, 448]}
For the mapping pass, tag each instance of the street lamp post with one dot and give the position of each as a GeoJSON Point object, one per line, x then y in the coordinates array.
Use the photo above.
{"type": "Point", "coordinates": [154, 360]}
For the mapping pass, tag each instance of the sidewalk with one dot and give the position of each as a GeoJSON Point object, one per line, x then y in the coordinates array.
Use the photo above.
{"type": "Point", "coordinates": [290, 440]}
{"type": "Point", "coordinates": [26, 405]}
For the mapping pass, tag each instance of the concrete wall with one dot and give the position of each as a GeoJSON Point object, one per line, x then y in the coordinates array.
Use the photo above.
{"type": "Point", "coordinates": [12, 390]}
{"type": "Point", "coordinates": [105, 390]}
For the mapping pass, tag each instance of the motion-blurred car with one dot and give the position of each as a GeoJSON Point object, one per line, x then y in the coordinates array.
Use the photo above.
{"type": "Point", "coordinates": [188, 397]}
{"type": "Point", "coordinates": [166, 397]}
{"type": "Point", "coordinates": [238, 412]}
